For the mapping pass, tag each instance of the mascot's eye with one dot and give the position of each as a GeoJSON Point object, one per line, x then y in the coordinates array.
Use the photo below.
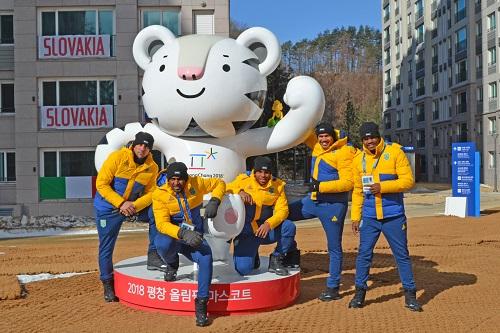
{"type": "Point", "coordinates": [162, 68]}
{"type": "Point", "coordinates": [226, 68]}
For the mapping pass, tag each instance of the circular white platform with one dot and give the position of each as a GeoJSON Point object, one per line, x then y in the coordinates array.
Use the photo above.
{"type": "Point", "coordinates": [230, 293]}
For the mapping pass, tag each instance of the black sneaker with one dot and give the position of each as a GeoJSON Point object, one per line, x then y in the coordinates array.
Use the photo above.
{"type": "Point", "coordinates": [200, 306]}
{"type": "Point", "coordinates": [292, 259]}
{"type": "Point", "coordinates": [411, 300]}
{"type": "Point", "coordinates": [330, 294]}
{"type": "Point", "coordinates": [109, 291]}
{"type": "Point", "coordinates": [155, 263]}
{"type": "Point", "coordinates": [276, 266]}
{"type": "Point", "coordinates": [359, 299]}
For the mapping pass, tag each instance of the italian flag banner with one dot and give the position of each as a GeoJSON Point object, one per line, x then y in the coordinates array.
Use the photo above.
{"type": "Point", "coordinates": [67, 187]}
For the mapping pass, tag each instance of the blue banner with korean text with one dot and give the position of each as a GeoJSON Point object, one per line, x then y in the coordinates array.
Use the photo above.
{"type": "Point", "coordinates": [465, 175]}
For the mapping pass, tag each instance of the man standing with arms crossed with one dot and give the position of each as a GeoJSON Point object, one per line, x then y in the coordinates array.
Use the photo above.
{"type": "Point", "coordinates": [381, 174]}
{"type": "Point", "coordinates": [331, 173]}
{"type": "Point", "coordinates": [124, 187]}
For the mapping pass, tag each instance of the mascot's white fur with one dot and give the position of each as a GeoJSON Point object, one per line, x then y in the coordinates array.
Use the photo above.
{"type": "Point", "coordinates": [203, 93]}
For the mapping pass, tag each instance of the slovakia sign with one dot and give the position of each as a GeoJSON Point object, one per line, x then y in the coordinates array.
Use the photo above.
{"type": "Point", "coordinates": [76, 116]}
{"type": "Point", "coordinates": [465, 174]}
{"type": "Point", "coordinates": [73, 46]}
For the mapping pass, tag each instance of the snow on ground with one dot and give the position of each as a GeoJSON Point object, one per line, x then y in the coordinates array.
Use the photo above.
{"type": "Point", "coordinates": [24, 233]}
{"type": "Point", "coordinates": [23, 279]}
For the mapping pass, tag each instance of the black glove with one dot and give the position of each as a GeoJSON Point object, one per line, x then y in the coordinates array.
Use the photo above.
{"type": "Point", "coordinates": [211, 208]}
{"type": "Point", "coordinates": [314, 186]}
{"type": "Point", "coordinates": [191, 237]}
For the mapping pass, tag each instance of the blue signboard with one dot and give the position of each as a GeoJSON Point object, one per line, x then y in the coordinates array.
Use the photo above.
{"type": "Point", "coordinates": [465, 174]}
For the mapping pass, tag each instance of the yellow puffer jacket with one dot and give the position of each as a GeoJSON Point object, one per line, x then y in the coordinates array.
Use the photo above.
{"type": "Point", "coordinates": [270, 200]}
{"type": "Point", "coordinates": [394, 174]}
{"type": "Point", "coordinates": [333, 168]}
{"type": "Point", "coordinates": [166, 209]}
{"type": "Point", "coordinates": [121, 179]}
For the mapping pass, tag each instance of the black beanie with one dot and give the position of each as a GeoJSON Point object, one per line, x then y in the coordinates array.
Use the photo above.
{"type": "Point", "coordinates": [369, 129]}
{"type": "Point", "coordinates": [177, 169]}
{"type": "Point", "coordinates": [144, 138]}
{"type": "Point", "coordinates": [323, 128]}
{"type": "Point", "coordinates": [263, 163]}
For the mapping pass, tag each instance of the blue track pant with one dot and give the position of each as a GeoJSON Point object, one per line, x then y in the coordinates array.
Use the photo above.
{"type": "Point", "coordinates": [394, 230]}
{"type": "Point", "coordinates": [108, 226]}
{"type": "Point", "coordinates": [246, 245]}
{"type": "Point", "coordinates": [332, 216]}
{"type": "Point", "coordinates": [168, 248]}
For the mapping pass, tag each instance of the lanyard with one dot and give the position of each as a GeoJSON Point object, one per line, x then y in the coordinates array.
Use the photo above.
{"type": "Point", "coordinates": [188, 218]}
{"type": "Point", "coordinates": [363, 162]}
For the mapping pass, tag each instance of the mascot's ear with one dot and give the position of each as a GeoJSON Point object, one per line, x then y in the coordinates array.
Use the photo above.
{"type": "Point", "coordinates": [254, 38]}
{"type": "Point", "coordinates": [144, 39]}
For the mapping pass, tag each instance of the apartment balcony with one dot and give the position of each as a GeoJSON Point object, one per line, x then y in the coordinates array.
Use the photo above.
{"type": "Point", "coordinates": [387, 83]}
{"type": "Point", "coordinates": [387, 61]}
{"type": "Point", "coordinates": [493, 104]}
{"type": "Point", "coordinates": [461, 108]}
{"type": "Point", "coordinates": [418, 15]}
{"type": "Point", "coordinates": [491, 37]}
{"type": "Point", "coordinates": [387, 44]}
{"type": "Point", "coordinates": [408, 31]}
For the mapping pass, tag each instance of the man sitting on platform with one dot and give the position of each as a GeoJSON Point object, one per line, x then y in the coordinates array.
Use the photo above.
{"type": "Point", "coordinates": [266, 208]}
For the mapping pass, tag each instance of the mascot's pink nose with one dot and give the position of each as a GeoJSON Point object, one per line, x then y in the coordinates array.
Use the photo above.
{"type": "Point", "coordinates": [190, 73]}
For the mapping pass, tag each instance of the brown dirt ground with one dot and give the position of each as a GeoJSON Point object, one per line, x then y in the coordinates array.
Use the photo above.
{"type": "Point", "coordinates": [455, 263]}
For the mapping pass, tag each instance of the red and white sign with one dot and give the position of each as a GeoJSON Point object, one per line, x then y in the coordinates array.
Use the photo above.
{"type": "Point", "coordinates": [74, 46]}
{"type": "Point", "coordinates": [76, 116]}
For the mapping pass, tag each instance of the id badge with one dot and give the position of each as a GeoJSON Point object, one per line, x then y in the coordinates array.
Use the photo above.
{"type": "Point", "coordinates": [367, 181]}
{"type": "Point", "coordinates": [186, 226]}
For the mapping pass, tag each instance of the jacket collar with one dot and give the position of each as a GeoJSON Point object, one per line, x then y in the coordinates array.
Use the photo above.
{"type": "Point", "coordinates": [378, 149]}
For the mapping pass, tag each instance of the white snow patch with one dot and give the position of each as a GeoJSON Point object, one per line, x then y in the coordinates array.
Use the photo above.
{"type": "Point", "coordinates": [22, 233]}
{"type": "Point", "coordinates": [45, 276]}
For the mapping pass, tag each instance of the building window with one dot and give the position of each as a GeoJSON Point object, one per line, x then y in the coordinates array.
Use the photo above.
{"type": "Point", "coordinates": [420, 110]}
{"type": "Point", "coordinates": [388, 99]}
{"type": "Point", "coordinates": [7, 166]}
{"type": "Point", "coordinates": [479, 93]}
{"type": "Point", "coordinates": [387, 77]}
{"type": "Point", "coordinates": [398, 121]}
{"type": "Point", "coordinates": [492, 125]}
{"type": "Point", "coordinates": [479, 127]}
{"type": "Point", "coordinates": [420, 87]}
{"type": "Point", "coordinates": [462, 132]}
{"type": "Point", "coordinates": [6, 29]}
{"type": "Point", "coordinates": [492, 56]}
{"type": "Point", "coordinates": [491, 160]}
{"type": "Point", "coordinates": [421, 138]}
{"type": "Point", "coordinates": [435, 164]}
{"type": "Point", "coordinates": [419, 9]}
{"type": "Point", "coordinates": [492, 22]}
{"type": "Point", "coordinates": [492, 90]}
{"type": "Point", "coordinates": [387, 12]}
{"type": "Point", "coordinates": [71, 104]}
{"type": "Point", "coordinates": [387, 121]}
{"type": "Point", "coordinates": [68, 163]}
{"type": "Point", "coordinates": [460, 10]}
{"type": "Point", "coordinates": [76, 33]}
{"type": "Point", "coordinates": [169, 18]}
{"type": "Point", "coordinates": [204, 23]}
{"type": "Point", "coordinates": [462, 102]}
{"type": "Point", "coordinates": [435, 82]}
{"type": "Point", "coordinates": [387, 56]}
{"type": "Point", "coordinates": [461, 38]}
{"type": "Point", "coordinates": [435, 109]}
{"type": "Point", "coordinates": [7, 97]}
{"type": "Point", "coordinates": [461, 70]}
{"type": "Point", "coordinates": [419, 33]}
{"type": "Point", "coordinates": [387, 35]}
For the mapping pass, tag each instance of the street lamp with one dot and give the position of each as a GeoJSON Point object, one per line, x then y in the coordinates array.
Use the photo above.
{"type": "Point", "coordinates": [494, 134]}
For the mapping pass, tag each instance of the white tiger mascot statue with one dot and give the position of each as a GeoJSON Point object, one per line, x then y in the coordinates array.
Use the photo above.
{"type": "Point", "coordinates": [203, 93]}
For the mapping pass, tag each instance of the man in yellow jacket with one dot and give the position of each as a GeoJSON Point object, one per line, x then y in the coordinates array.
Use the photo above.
{"type": "Point", "coordinates": [176, 208]}
{"type": "Point", "coordinates": [266, 207]}
{"type": "Point", "coordinates": [331, 173]}
{"type": "Point", "coordinates": [381, 174]}
{"type": "Point", "coordinates": [124, 187]}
